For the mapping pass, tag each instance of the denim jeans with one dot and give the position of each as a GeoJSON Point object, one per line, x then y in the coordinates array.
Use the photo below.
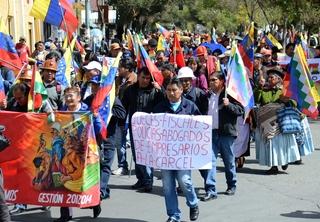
{"type": "Point", "coordinates": [183, 177]}
{"type": "Point", "coordinates": [106, 159]}
{"type": "Point", "coordinates": [144, 174]}
{"type": "Point", "coordinates": [224, 146]}
{"type": "Point", "coordinates": [122, 147]}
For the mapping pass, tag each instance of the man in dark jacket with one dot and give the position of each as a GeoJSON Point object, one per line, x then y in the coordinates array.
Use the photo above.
{"type": "Point", "coordinates": [54, 89]}
{"type": "Point", "coordinates": [192, 93]}
{"type": "Point", "coordinates": [224, 110]}
{"type": "Point", "coordinates": [19, 102]}
{"type": "Point", "coordinates": [177, 104]}
{"type": "Point", "coordinates": [141, 97]}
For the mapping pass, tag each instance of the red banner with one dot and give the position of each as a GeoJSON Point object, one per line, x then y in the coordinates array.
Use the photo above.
{"type": "Point", "coordinates": [50, 164]}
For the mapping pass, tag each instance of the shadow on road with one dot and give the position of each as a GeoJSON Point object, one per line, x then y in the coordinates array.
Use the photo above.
{"type": "Point", "coordinates": [45, 216]}
{"type": "Point", "coordinates": [35, 217]}
{"type": "Point", "coordinates": [246, 170]}
{"type": "Point", "coordinates": [303, 214]}
{"type": "Point", "coordinates": [156, 190]}
{"type": "Point", "coordinates": [102, 219]}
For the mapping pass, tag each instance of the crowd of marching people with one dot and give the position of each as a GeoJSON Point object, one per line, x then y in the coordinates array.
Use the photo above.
{"type": "Point", "coordinates": [194, 86]}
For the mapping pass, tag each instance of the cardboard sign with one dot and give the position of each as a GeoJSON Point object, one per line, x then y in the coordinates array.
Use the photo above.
{"type": "Point", "coordinates": [170, 141]}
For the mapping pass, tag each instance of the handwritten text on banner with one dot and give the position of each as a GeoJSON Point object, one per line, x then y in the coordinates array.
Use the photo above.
{"type": "Point", "coordinates": [169, 141]}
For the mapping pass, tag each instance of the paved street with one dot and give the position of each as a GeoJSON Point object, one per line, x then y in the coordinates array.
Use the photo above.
{"type": "Point", "coordinates": [291, 196]}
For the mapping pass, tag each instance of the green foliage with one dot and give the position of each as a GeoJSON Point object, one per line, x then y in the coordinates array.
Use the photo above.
{"type": "Point", "coordinates": [223, 15]}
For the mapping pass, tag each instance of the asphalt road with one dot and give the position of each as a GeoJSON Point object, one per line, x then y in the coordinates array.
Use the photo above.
{"type": "Point", "coordinates": [290, 196]}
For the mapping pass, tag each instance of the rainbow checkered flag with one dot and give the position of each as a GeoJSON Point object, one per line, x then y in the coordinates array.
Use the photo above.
{"type": "Point", "coordinates": [299, 86]}
{"type": "Point", "coordinates": [238, 84]}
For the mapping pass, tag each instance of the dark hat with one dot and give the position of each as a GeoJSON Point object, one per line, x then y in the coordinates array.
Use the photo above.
{"type": "Point", "coordinates": [218, 74]}
{"type": "Point", "coordinates": [276, 71]}
{"type": "Point", "coordinates": [167, 66]}
{"type": "Point", "coordinates": [152, 43]}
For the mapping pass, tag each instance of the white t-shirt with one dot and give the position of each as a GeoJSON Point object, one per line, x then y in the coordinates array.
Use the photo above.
{"type": "Point", "coordinates": [213, 109]}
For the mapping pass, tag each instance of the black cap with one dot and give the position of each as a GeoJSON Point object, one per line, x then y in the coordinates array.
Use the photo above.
{"type": "Point", "coordinates": [152, 43]}
{"type": "Point", "coordinates": [276, 70]}
{"type": "Point", "coordinates": [218, 74]}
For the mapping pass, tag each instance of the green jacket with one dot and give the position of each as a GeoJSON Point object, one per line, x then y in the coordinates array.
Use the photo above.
{"type": "Point", "coordinates": [265, 96]}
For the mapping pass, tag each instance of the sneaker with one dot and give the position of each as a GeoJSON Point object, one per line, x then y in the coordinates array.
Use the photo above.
{"type": "Point", "coordinates": [17, 209]}
{"type": "Point", "coordinates": [194, 213]}
{"type": "Point", "coordinates": [172, 220]}
{"type": "Point", "coordinates": [230, 191]}
{"type": "Point", "coordinates": [120, 171]}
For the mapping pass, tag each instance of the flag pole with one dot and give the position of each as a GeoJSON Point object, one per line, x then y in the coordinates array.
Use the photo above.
{"type": "Point", "coordinates": [20, 71]}
{"type": "Point", "coordinates": [9, 63]}
{"type": "Point", "coordinates": [68, 40]}
{"type": "Point", "coordinates": [144, 60]}
{"type": "Point", "coordinates": [34, 70]}
{"type": "Point", "coordinates": [175, 49]}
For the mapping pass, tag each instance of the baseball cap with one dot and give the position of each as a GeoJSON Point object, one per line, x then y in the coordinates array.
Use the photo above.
{"type": "Point", "coordinates": [93, 65]}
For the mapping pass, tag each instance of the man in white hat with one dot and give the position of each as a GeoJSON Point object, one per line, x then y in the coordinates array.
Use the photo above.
{"type": "Point", "coordinates": [196, 95]}
{"type": "Point", "coordinates": [94, 68]}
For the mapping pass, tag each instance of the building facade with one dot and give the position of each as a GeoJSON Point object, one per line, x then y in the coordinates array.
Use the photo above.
{"type": "Point", "coordinates": [15, 14]}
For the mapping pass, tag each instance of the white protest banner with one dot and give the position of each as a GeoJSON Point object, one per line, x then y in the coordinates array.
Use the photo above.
{"type": "Point", "coordinates": [171, 141]}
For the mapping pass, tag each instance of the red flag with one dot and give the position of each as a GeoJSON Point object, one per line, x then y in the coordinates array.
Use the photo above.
{"type": "Point", "coordinates": [146, 61]}
{"type": "Point", "coordinates": [176, 56]}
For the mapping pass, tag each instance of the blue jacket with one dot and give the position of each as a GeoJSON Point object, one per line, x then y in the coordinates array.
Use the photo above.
{"type": "Point", "coordinates": [84, 107]}
{"type": "Point", "coordinates": [186, 107]}
{"type": "Point", "coordinates": [199, 97]}
{"type": "Point", "coordinates": [8, 77]}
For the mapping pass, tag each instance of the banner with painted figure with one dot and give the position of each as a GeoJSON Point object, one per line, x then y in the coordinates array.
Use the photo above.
{"type": "Point", "coordinates": [50, 164]}
{"type": "Point", "coordinates": [169, 141]}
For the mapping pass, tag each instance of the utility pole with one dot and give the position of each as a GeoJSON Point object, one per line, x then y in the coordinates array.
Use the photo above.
{"type": "Point", "coordinates": [87, 8]}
